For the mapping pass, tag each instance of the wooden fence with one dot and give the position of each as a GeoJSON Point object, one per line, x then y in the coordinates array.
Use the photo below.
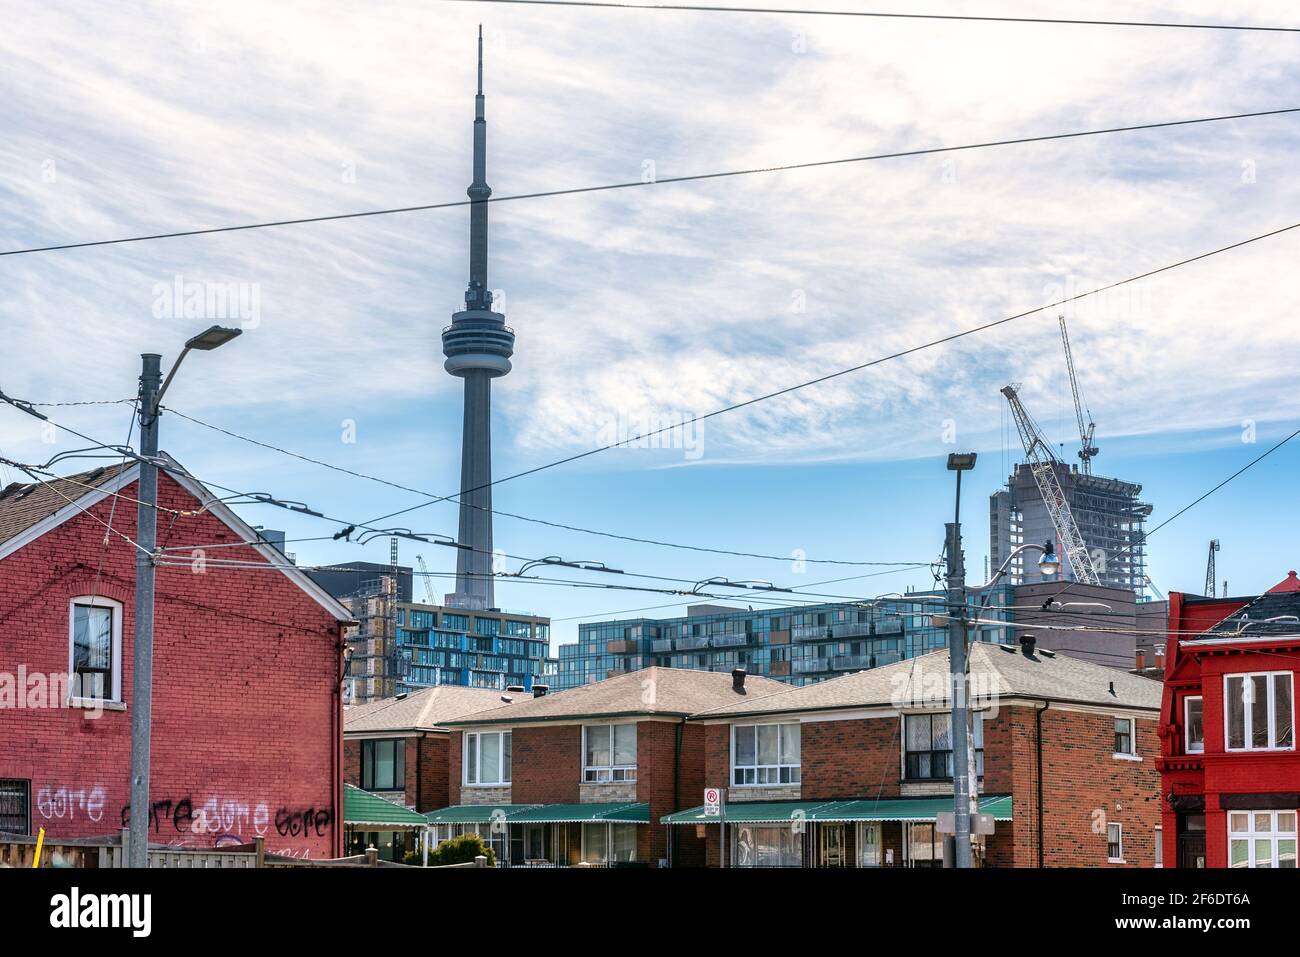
{"type": "Point", "coordinates": [19, 850]}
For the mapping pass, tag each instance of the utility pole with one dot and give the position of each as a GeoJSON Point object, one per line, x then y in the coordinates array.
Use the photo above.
{"type": "Point", "coordinates": [957, 672]}
{"type": "Point", "coordinates": [142, 678]}
{"type": "Point", "coordinates": [146, 535]}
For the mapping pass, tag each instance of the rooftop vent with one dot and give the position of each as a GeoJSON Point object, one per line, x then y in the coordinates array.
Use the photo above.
{"type": "Point", "coordinates": [1027, 643]}
{"type": "Point", "coordinates": [515, 689]}
{"type": "Point", "coordinates": [539, 691]}
{"type": "Point", "coordinates": [738, 680]}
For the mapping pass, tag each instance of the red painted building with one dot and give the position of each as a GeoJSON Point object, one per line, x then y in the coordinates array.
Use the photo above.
{"type": "Point", "coordinates": [247, 716]}
{"type": "Point", "coordinates": [1230, 774]}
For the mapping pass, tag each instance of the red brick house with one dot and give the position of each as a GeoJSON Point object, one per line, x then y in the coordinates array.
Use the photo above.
{"type": "Point", "coordinates": [585, 776]}
{"type": "Point", "coordinates": [247, 715]}
{"type": "Point", "coordinates": [1230, 773]}
{"type": "Point", "coordinates": [397, 749]}
{"type": "Point", "coordinates": [857, 771]}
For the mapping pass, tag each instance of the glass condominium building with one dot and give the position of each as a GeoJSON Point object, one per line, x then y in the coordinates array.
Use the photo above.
{"type": "Point", "coordinates": [799, 645]}
{"type": "Point", "coordinates": [479, 649]}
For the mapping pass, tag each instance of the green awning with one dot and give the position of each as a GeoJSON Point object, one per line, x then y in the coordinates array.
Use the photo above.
{"type": "Point", "coordinates": [915, 809]}
{"type": "Point", "coordinates": [361, 808]}
{"type": "Point", "coordinates": [893, 809]}
{"type": "Point", "coordinates": [474, 813]}
{"type": "Point", "coordinates": [617, 813]}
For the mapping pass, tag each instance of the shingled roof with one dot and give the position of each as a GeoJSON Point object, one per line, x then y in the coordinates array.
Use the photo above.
{"type": "Point", "coordinates": [995, 669]}
{"type": "Point", "coordinates": [424, 710]}
{"type": "Point", "coordinates": [1272, 614]}
{"type": "Point", "coordinates": [23, 505]}
{"type": "Point", "coordinates": [673, 692]}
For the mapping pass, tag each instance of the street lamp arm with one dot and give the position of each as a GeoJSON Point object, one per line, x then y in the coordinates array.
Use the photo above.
{"type": "Point", "coordinates": [1027, 547]}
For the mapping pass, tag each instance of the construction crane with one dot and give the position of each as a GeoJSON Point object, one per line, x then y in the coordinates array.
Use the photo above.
{"type": "Point", "coordinates": [424, 574]}
{"type": "Point", "coordinates": [1209, 571]}
{"type": "Point", "coordinates": [1042, 463]}
{"type": "Point", "coordinates": [1086, 449]}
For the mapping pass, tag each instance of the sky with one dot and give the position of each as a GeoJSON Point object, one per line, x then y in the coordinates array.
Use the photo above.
{"type": "Point", "coordinates": [636, 307]}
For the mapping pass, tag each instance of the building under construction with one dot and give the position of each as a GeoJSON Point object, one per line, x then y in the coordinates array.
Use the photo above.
{"type": "Point", "coordinates": [1110, 516]}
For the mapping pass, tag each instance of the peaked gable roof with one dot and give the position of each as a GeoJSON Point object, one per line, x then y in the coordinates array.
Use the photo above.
{"type": "Point", "coordinates": [29, 511]}
{"type": "Point", "coordinates": [995, 670]}
{"type": "Point", "coordinates": [674, 692]}
{"type": "Point", "coordinates": [424, 710]}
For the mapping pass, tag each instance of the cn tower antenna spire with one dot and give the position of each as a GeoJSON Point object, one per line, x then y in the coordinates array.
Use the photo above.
{"type": "Point", "coordinates": [477, 345]}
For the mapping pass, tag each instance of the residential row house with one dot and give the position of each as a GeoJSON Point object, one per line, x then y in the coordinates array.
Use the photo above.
{"type": "Point", "coordinates": [397, 749]}
{"type": "Point", "coordinates": [1228, 761]}
{"type": "Point", "coordinates": [674, 767]}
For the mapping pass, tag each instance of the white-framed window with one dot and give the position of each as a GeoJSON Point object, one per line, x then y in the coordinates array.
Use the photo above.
{"type": "Point", "coordinates": [1124, 740]}
{"type": "Point", "coordinates": [1115, 843]}
{"type": "Point", "coordinates": [604, 843]}
{"type": "Point", "coordinates": [1257, 712]}
{"type": "Point", "coordinates": [1194, 725]}
{"type": "Point", "coordinates": [1262, 839]}
{"type": "Point", "coordinates": [487, 758]}
{"type": "Point", "coordinates": [609, 753]}
{"type": "Point", "coordinates": [95, 649]}
{"type": "Point", "coordinates": [765, 754]}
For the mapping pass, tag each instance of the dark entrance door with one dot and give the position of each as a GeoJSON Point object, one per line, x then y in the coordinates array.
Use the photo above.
{"type": "Point", "coordinates": [1191, 840]}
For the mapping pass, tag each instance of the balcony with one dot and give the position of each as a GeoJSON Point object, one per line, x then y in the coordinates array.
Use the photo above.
{"type": "Point", "coordinates": [809, 633]}
{"type": "Point", "coordinates": [851, 662]}
{"type": "Point", "coordinates": [811, 666]}
{"type": "Point", "coordinates": [693, 643]}
{"type": "Point", "coordinates": [728, 641]}
{"type": "Point", "coordinates": [662, 644]}
{"type": "Point", "coordinates": [622, 646]}
{"type": "Point", "coordinates": [852, 629]}
{"type": "Point", "coordinates": [889, 626]}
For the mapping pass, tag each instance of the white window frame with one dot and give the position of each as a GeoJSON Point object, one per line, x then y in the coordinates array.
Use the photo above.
{"type": "Point", "coordinates": [1160, 847]}
{"type": "Point", "coordinates": [477, 738]}
{"type": "Point", "coordinates": [1250, 835]}
{"type": "Point", "coordinates": [115, 610]}
{"type": "Point", "coordinates": [1246, 711]}
{"type": "Point", "coordinates": [1119, 841]}
{"type": "Point", "coordinates": [774, 769]}
{"type": "Point", "coordinates": [608, 773]}
{"type": "Point", "coordinates": [1187, 724]}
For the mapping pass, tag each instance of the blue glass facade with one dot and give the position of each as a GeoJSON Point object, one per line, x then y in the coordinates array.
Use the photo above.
{"type": "Point", "coordinates": [477, 649]}
{"type": "Point", "coordinates": [799, 645]}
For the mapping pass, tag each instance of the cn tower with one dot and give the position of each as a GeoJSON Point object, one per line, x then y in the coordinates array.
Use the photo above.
{"type": "Point", "coordinates": [478, 345]}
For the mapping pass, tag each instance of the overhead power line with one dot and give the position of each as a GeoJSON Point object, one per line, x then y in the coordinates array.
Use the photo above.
{"type": "Point", "coordinates": [525, 518]}
{"type": "Point", "coordinates": [858, 368]}
{"type": "Point", "coordinates": [883, 15]}
{"type": "Point", "coordinates": [658, 181]}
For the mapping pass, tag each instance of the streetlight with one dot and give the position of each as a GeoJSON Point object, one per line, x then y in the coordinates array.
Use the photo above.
{"type": "Point", "coordinates": [147, 538]}
{"type": "Point", "coordinates": [961, 790]}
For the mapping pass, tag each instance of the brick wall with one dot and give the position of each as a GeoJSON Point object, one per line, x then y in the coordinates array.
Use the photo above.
{"type": "Point", "coordinates": [547, 764]}
{"type": "Point", "coordinates": [246, 712]}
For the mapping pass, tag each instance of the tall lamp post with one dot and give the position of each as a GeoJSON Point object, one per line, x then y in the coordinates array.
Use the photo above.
{"type": "Point", "coordinates": [957, 622]}
{"type": "Point", "coordinates": [146, 536]}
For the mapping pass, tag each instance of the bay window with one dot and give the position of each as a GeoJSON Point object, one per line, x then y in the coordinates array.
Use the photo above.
{"type": "Point", "coordinates": [487, 758]}
{"type": "Point", "coordinates": [765, 754]}
{"type": "Point", "coordinates": [1262, 839]}
{"type": "Point", "coordinates": [1257, 711]}
{"type": "Point", "coordinates": [609, 753]}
